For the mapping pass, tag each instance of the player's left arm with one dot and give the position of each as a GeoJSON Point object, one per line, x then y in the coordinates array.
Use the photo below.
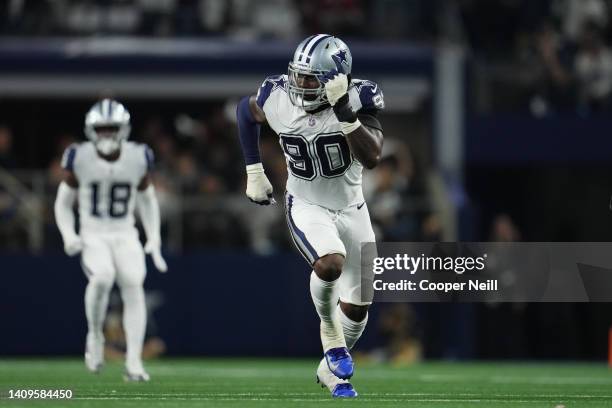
{"type": "Point", "coordinates": [365, 139]}
{"type": "Point", "coordinates": [365, 142]}
{"type": "Point", "coordinates": [148, 208]}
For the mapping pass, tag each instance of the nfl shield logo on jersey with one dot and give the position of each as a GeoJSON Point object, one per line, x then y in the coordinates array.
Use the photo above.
{"type": "Point", "coordinates": [311, 121]}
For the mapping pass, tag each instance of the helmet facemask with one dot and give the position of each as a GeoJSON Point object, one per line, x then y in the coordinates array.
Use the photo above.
{"type": "Point", "coordinates": [107, 140]}
{"type": "Point", "coordinates": [308, 98]}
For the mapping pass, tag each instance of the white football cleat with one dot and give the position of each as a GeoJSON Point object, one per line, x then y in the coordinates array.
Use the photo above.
{"type": "Point", "coordinates": [94, 353]}
{"type": "Point", "coordinates": [135, 372]}
{"type": "Point", "coordinates": [136, 377]}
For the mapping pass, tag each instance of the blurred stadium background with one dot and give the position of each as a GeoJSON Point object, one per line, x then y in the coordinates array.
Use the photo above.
{"type": "Point", "coordinates": [497, 128]}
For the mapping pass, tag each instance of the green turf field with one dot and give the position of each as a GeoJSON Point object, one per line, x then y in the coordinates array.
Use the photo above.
{"type": "Point", "coordinates": [290, 383]}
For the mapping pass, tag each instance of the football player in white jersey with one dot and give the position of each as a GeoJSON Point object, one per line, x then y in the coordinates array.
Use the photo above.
{"type": "Point", "coordinates": [109, 177]}
{"type": "Point", "coordinates": [328, 130]}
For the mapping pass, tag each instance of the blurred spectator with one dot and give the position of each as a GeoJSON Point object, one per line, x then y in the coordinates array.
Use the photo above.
{"type": "Point", "coordinates": [495, 343]}
{"type": "Point", "coordinates": [188, 173]}
{"type": "Point", "coordinates": [491, 26]}
{"type": "Point", "coordinates": [396, 325]}
{"type": "Point", "coordinates": [11, 231]}
{"type": "Point", "coordinates": [160, 18]}
{"type": "Point", "coordinates": [341, 17]}
{"type": "Point", "coordinates": [555, 84]}
{"type": "Point", "coordinates": [573, 76]}
{"type": "Point", "coordinates": [7, 159]}
{"type": "Point", "coordinates": [398, 19]}
{"type": "Point", "coordinates": [389, 189]}
{"type": "Point", "coordinates": [94, 17]}
{"type": "Point", "coordinates": [574, 14]}
{"type": "Point", "coordinates": [593, 67]}
{"type": "Point", "coordinates": [503, 229]}
{"type": "Point", "coordinates": [265, 19]}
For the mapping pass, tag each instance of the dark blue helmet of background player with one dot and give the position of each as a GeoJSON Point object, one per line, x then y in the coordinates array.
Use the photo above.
{"type": "Point", "coordinates": [313, 57]}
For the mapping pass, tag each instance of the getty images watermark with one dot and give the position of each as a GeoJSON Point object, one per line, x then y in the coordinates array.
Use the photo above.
{"type": "Point", "coordinates": [487, 271]}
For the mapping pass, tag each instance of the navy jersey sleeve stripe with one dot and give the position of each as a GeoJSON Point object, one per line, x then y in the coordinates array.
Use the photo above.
{"type": "Point", "coordinates": [370, 96]}
{"type": "Point", "coordinates": [150, 158]}
{"type": "Point", "coordinates": [269, 85]}
{"type": "Point", "coordinates": [68, 159]}
{"type": "Point", "coordinates": [299, 238]}
{"type": "Point", "coordinates": [264, 93]}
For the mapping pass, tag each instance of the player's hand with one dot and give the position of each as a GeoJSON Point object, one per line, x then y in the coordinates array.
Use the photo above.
{"type": "Point", "coordinates": [335, 82]}
{"type": "Point", "coordinates": [259, 189]}
{"type": "Point", "coordinates": [153, 248]}
{"type": "Point", "coordinates": [336, 85]}
{"type": "Point", "coordinates": [73, 245]}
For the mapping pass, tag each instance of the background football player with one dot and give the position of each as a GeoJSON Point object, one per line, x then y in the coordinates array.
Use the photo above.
{"type": "Point", "coordinates": [328, 131]}
{"type": "Point", "coordinates": [110, 177]}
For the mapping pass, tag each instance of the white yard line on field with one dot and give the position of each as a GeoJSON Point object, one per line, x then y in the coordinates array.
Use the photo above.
{"type": "Point", "coordinates": [369, 394]}
{"type": "Point", "coordinates": [327, 399]}
{"type": "Point", "coordinates": [501, 379]}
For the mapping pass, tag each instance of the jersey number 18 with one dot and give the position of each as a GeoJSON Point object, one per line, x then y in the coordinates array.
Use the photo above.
{"type": "Point", "coordinates": [119, 198]}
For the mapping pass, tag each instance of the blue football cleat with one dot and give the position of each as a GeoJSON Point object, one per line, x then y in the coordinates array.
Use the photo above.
{"type": "Point", "coordinates": [344, 390]}
{"type": "Point", "coordinates": [339, 362]}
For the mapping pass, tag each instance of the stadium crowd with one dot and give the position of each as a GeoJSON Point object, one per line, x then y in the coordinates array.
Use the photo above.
{"type": "Point", "coordinates": [544, 58]}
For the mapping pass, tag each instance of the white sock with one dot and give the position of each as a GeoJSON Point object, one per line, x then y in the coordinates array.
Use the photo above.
{"type": "Point", "coordinates": [325, 298]}
{"type": "Point", "coordinates": [352, 329]}
{"type": "Point", "coordinates": [134, 325]}
{"type": "Point", "coordinates": [96, 304]}
{"type": "Point", "coordinates": [327, 377]}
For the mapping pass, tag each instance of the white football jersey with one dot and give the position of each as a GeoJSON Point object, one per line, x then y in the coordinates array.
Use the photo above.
{"type": "Point", "coordinates": [321, 169]}
{"type": "Point", "coordinates": [107, 190]}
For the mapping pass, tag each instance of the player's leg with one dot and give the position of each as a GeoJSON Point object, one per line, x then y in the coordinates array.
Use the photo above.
{"type": "Point", "coordinates": [355, 228]}
{"type": "Point", "coordinates": [353, 319]}
{"type": "Point", "coordinates": [96, 261]}
{"type": "Point", "coordinates": [324, 293]}
{"type": "Point", "coordinates": [315, 235]}
{"type": "Point", "coordinates": [131, 270]}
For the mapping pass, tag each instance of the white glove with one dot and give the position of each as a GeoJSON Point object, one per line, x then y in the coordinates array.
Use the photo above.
{"type": "Point", "coordinates": [153, 248]}
{"type": "Point", "coordinates": [336, 85]}
{"type": "Point", "coordinates": [259, 189]}
{"type": "Point", "coordinates": [73, 245]}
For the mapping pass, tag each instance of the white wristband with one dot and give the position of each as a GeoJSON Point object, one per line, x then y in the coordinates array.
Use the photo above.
{"type": "Point", "coordinates": [348, 127]}
{"type": "Point", "coordinates": [254, 168]}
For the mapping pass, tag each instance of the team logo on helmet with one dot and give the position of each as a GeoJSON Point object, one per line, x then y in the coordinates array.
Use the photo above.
{"type": "Point", "coordinates": [340, 58]}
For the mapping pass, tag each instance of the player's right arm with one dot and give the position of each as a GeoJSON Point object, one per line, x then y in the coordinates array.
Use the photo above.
{"type": "Point", "coordinates": [250, 116]}
{"type": "Point", "coordinates": [64, 202]}
{"type": "Point", "coordinates": [148, 208]}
